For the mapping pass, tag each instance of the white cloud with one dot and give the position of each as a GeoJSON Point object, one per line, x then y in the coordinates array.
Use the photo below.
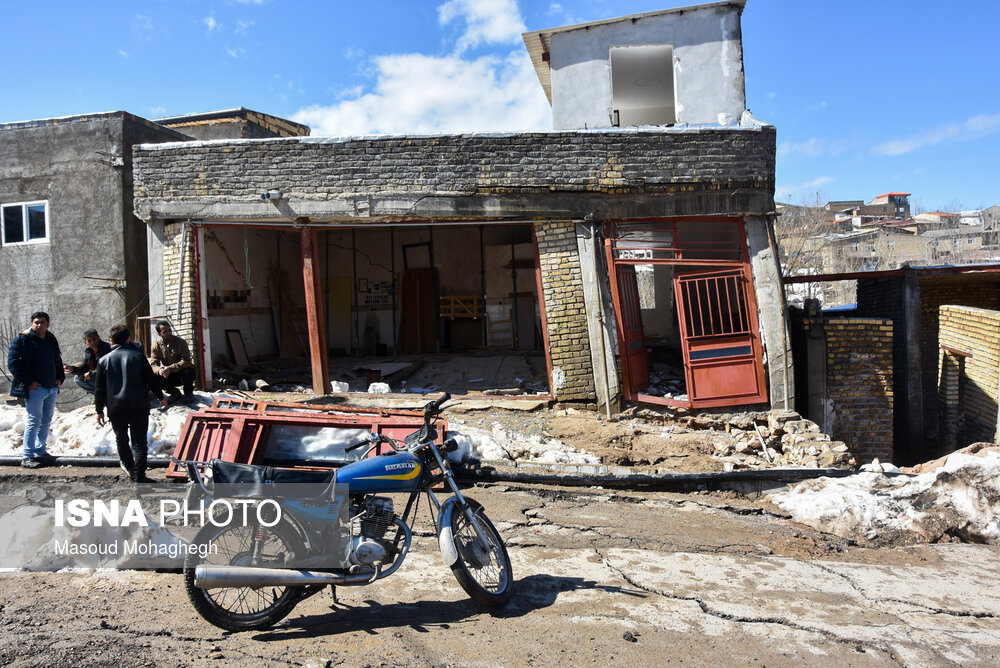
{"type": "Point", "coordinates": [487, 22]}
{"type": "Point", "coordinates": [142, 25]}
{"type": "Point", "coordinates": [157, 111]}
{"type": "Point", "coordinates": [811, 148]}
{"type": "Point", "coordinates": [415, 93]}
{"type": "Point", "coordinates": [972, 128]}
{"type": "Point", "coordinates": [419, 93]}
{"type": "Point", "coordinates": [242, 26]}
{"type": "Point", "coordinates": [235, 51]}
{"type": "Point", "coordinates": [210, 23]}
{"type": "Point", "coordinates": [124, 54]}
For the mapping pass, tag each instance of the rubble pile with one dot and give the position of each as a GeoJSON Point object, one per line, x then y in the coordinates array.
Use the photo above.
{"type": "Point", "coordinates": [766, 439]}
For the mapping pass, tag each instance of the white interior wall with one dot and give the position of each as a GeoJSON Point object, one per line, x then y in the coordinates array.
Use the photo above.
{"type": "Point", "coordinates": [226, 271]}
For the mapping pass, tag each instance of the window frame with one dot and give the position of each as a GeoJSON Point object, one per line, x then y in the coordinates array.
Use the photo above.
{"type": "Point", "coordinates": [24, 223]}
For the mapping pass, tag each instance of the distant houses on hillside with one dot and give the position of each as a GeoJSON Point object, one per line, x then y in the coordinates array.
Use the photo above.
{"type": "Point", "coordinates": [849, 236]}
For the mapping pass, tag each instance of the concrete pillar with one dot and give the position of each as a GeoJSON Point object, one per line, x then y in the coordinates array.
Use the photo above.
{"type": "Point", "coordinates": [771, 310]}
{"type": "Point", "coordinates": [913, 422]}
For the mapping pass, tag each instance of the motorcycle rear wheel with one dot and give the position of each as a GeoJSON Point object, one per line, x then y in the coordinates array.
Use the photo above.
{"type": "Point", "coordinates": [243, 608]}
{"type": "Point", "coordinates": [485, 576]}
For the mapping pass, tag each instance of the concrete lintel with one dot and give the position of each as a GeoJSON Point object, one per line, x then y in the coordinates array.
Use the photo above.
{"type": "Point", "coordinates": [361, 208]}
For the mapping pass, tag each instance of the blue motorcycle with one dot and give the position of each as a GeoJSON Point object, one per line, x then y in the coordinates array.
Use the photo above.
{"type": "Point", "coordinates": [306, 530]}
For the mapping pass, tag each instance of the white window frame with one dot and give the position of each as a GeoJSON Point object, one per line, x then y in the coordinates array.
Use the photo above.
{"type": "Point", "coordinates": [24, 222]}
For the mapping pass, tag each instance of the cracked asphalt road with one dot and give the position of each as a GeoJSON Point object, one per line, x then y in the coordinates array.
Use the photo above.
{"type": "Point", "coordinates": [602, 578]}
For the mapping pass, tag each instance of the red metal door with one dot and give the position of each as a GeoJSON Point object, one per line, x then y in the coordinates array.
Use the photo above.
{"type": "Point", "coordinates": [635, 361]}
{"type": "Point", "coordinates": [719, 337]}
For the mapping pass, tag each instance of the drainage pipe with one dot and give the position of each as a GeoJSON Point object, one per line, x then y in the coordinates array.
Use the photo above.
{"type": "Point", "coordinates": [96, 462]}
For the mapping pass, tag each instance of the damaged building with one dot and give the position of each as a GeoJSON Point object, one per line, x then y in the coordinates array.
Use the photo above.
{"type": "Point", "coordinates": [627, 254]}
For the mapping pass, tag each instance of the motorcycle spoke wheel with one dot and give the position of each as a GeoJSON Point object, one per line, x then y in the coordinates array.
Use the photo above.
{"type": "Point", "coordinates": [484, 574]}
{"type": "Point", "coordinates": [243, 608]}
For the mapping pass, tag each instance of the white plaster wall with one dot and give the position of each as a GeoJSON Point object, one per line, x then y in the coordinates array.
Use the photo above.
{"type": "Point", "coordinates": [708, 66]}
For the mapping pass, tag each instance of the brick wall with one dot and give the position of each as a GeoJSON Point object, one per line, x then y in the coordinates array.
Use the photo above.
{"type": "Point", "coordinates": [859, 392]}
{"type": "Point", "coordinates": [179, 264]}
{"type": "Point", "coordinates": [708, 170]}
{"type": "Point", "coordinates": [980, 291]}
{"type": "Point", "coordinates": [565, 312]}
{"type": "Point", "coordinates": [968, 384]}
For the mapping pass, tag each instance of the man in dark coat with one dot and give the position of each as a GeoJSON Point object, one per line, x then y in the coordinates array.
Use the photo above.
{"type": "Point", "coordinates": [122, 383]}
{"type": "Point", "coordinates": [36, 364]}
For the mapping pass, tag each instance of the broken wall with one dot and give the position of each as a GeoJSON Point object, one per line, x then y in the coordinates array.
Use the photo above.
{"type": "Point", "coordinates": [550, 179]}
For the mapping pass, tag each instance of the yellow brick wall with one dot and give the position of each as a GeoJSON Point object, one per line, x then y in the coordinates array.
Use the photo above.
{"type": "Point", "coordinates": [859, 385]}
{"type": "Point", "coordinates": [177, 277]}
{"type": "Point", "coordinates": [968, 385]}
{"type": "Point", "coordinates": [565, 312]}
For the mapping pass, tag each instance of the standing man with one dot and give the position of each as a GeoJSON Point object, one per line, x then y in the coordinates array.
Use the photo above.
{"type": "Point", "coordinates": [122, 383]}
{"type": "Point", "coordinates": [36, 364]}
{"type": "Point", "coordinates": [171, 360]}
{"type": "Point", "coordinates": [95, 350]}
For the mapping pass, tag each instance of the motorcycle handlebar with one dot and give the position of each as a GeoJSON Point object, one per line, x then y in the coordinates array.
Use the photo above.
{"type": "Point", "coordinates": [434, 407]}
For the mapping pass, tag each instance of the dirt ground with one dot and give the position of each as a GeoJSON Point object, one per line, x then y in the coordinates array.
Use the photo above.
{"type": "Point", "coordinates": [601, 578]}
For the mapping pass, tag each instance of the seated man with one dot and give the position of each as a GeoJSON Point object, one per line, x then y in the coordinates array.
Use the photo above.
{"type": "Point", "coordinates": [95, 350]}
{"type": "Point", "coordinates": [171, 360]}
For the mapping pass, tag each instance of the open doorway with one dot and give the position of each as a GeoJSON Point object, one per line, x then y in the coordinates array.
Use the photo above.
{"type": "Point", "coordinates": [686, 312]}
{"type": "Point", "coordinates": [419, 308]}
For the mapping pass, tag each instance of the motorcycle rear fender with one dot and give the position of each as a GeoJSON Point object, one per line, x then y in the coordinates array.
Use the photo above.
{"type": "Point", "coordinates": [446, 541]}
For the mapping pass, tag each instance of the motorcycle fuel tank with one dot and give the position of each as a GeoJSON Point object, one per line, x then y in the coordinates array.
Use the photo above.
{"type": "Point", "coordinates": [399, 472]}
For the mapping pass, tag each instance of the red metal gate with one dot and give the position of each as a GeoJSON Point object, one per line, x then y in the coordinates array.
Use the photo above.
{"type": "Point", "coordinates": [713, 293]}
{"type": "Point", "coordinates": [635, 363]}
{"type": "Point", "coordinates": [719, 337]}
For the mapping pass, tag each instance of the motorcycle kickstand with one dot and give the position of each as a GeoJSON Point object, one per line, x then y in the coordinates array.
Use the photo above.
{"type": "Point", "coordinates": [333, 592]}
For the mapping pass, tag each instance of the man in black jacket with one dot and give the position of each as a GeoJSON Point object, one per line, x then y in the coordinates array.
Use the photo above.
{"type": "Point", "coordinates": [95, 350]}
{"type": "Point", "coordinates": [36, 364]}
{"type": "Point", "coordinates": [122, 383]}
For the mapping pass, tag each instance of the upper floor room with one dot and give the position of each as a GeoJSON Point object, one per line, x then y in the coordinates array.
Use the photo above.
{"type": "Point", "coordinates": [674, 66]}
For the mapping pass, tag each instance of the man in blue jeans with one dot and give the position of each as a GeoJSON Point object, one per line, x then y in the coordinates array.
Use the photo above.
{"type": "Point", "coordinates": [36, 364]}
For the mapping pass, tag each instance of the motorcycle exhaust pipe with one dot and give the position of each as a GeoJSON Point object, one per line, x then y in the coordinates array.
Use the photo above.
{"type": "Point", "coordinates": [215, 577]}
{"type": "Point", "coordinates": [218, 577]}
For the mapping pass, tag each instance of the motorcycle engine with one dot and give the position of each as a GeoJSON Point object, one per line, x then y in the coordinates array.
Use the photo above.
{"type": "Point", "coordinates": [373, 522]}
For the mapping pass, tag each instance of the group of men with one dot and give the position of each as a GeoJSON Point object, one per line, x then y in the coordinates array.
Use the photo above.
{"type": "Point", "coordinates": [117, 374]}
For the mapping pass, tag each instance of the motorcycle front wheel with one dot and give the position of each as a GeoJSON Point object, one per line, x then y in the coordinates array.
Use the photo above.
{"type": "Point", "coordinates": [243, 608]}
{"type": "Point", "coordinates": [483, 571]}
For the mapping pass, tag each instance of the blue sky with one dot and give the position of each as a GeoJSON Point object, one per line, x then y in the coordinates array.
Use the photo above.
{"type": "Point", "coordinates": [868, 96]}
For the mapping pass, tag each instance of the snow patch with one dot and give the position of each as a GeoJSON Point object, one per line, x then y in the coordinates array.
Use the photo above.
{"type": "Point", "coordinates": [961, 499]}
{"type": "Point", "coordinates": [501, 443]}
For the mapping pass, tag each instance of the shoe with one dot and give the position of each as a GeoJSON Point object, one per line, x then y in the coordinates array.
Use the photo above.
{"type": "Point", "coordinates": [188, 398]}
{"type": "Point", "coordinates": [46, 459]}
{"type": "Point", "coordinates": [174, 397]}
{"type": "Point", "coordinates": [141, 479]}
{"type": "Point", "coordinates": [31, 463]}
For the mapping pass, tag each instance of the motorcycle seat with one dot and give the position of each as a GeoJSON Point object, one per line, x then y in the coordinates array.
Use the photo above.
{"type": "Point", "coordinates": [253, 480]}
